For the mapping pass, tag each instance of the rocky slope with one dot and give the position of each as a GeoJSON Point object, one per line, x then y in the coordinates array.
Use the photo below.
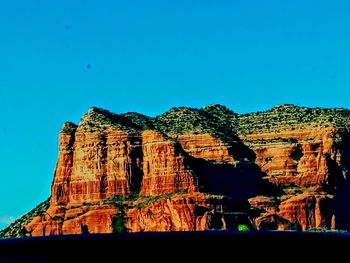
{"type": "Point", "coordinates": [199, 169]}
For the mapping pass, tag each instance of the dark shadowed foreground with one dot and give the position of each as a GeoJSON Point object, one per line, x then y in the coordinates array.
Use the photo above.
{"type": "Point", "coordinates": [175, 247]}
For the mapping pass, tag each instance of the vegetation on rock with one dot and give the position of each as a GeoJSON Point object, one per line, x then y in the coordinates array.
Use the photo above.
{"type": "Point", "coordinates": [69, 128]}
{"type": "Point", "coordinates": [142, 121]}
{"type": "Point", "coordinates": [215, 119]}
{"type": "Point", "coordinates": [223, 124]}
{"type": "Point", "coordinates": [291, 117]}
{"type": "Point", "coordinates": [123, 202]}
{"type": "Point", "coordinates": [100, 119]}
{"type": "Point", "coordinates": [16, 229]}
{"type": "Point", "coordinates": [183, 120]}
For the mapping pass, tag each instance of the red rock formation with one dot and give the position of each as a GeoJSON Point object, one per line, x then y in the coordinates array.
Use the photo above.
{"type": "Point", "coordinates": [303, 158]}
{"type": "Point", "coordinates": [265, 203]}
{"type": "Point", "coordinates": [309, 210]}
{"type": "Point", "coordinates": [60, 187]}
{"type": "Point", "coordinates": [97, 166]}
{"type": "Point", "coordinates": [107, 155]}
{"type": "Point", "coordinates": [100, 165]}
{"type": "Point", "coordinates": [104, 165]}
{"type": "Point", "coordinates": [164, 170]}
{"type": "Point", "coordinates": [271, 221]}
{"type": "Point", "coordinates": [206, 146]}
{"type": "Point", "coordinates": [176, 213]}
{"type": "Point", "coordinates": [95, 219]}
{"type": "Point", "coordinates": [297, 157]}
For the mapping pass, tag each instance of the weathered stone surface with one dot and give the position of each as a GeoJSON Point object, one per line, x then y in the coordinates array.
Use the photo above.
{"type": "Point", "coordinates": [164, 170]}
{"type": "Point", "coordinates": [298, 157]}
{"type": "Point", "coordinates": [98, 220]}
{"type": "Point", "coordinates": [271, 221]}
{"type": "Point", "coordinates": [95, 165]}
{"type": "Point", "coordinates": [61, 184]}
{"type": "Point", "coordinates": [309, 210]}
{"type": "Point", "coordinates": [265, 203]}
{"type": "Point", "coordinates": [182, 212]}
{"type": "Point", "coordinates": [207, 147]}
{"type": "Point", "coordinates": [292, 176]}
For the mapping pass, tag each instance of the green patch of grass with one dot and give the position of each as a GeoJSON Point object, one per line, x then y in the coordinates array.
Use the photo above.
{"type": "Point", "coordinates": [145, 201]}
{"type": "Point", "coordinates": [88, 204]}
{"type": "Point", "coordinates": [120, 199]}
{"type": "Point", "coordinates": [325, 229]}
{"type": "Point", "coordinates": [243, 228]}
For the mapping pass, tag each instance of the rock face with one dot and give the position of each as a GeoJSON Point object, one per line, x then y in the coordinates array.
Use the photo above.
{"type": "Point", "coordinates": [199, 169]}
{"type": "Point", "coordinates": [96, 166]}
{"type": "Point", "coordinates": [164, 168]}
{"type": "Point", "coordinates": [207, 147]}
{"type": "Point", "coordinates": [116, 163]}
{"type": "Point", "coordinates": [309, 210]}
{"type": "Point", "coordinates": [298, 157]}
{"type": "Point", "coordinates": [305, 160]}
{"type": "Point", "coordinates": [180, 213]}
{"type": "Point", "coordinates": [174, 212]}
{"type": "Point", "coordinates": [81, 220]}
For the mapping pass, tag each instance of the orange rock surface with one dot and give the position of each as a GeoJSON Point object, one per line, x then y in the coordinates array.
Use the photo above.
{"type": "Point", "coordinates": [206, 146]}
{"type": "Point", "coordinates": [309, 210]}
{"type": "Point", "coordinates": [96, 166]}
{"type": "Point", "coordinates": [178, 213]}
{"type": "Point", "coordinates": [164, 170]}
{"type": "Point", "coordinates": [295, 181]}
{"type": "Point", "coordinates": [297, 157]}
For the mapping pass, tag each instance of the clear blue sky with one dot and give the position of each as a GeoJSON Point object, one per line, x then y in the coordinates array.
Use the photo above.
{"type": "Point", "coordinates": [149, 56]}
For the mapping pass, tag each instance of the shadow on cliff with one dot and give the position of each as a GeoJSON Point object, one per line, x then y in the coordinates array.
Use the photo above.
{"type": "Point", "coordinates": [340, 175]}
{"type": "Point", "coordinates": [238, 181]}
{"type": "Point", "coordinates": [136, 177]}
{"type": "Point", "coordinates": [237, 149]}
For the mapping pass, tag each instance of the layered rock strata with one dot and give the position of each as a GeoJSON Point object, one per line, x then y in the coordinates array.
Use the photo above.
{"type": "Point", "coordinates": [190, 169]}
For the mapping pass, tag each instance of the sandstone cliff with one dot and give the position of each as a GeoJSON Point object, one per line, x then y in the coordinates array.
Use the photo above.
{"type": "Point", "coordinates": [199, 169]}
{"type": "Point", "coordinates": [305, 153]}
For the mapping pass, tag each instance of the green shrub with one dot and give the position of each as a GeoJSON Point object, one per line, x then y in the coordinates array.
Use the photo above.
{"type": "Point", "coordinates": [118, 222]}
{"type": "Point", "coordinates": [243, 228]}
{"type": "Point", "coordinates": [120, 199]}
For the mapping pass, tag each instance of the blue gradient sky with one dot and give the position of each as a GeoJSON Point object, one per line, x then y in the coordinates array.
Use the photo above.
{"type": "Point", "coordinates": [149, 56]}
